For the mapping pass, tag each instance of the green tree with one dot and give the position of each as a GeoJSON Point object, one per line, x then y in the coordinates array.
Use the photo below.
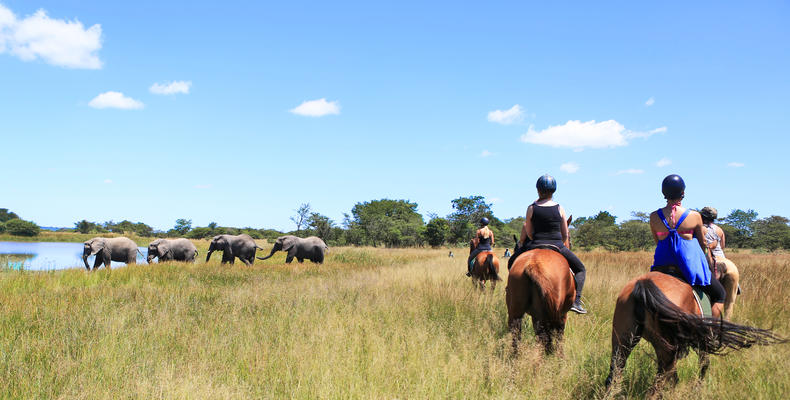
{"type": "Point", "coordinates": [18, 227]}
{"type": "Point", "coordinates": [199, 233]}
{"type": "Point", "coordinates": [321, 225]}
{"type": "Point", "coordinates": [393, 223]}
{"type": "Point", "coordinates": [182, 226]}
{"type": "Point", "coordinates": [2, 227]}
{"type": "Point", "coordinates": [436, 231]}
{"type": "Point", "coordinates": [6, 216]}
{"type": "Point", "coordinates": [771, 233]}
{"type": "Point", "coordinates": [738, 227]}
{"type": "Point", "coordinates": [633, 235]}
{"type": "Point", "coordinates": [468, 212]}
{"type": "Point", "coordinates": [596, 231]}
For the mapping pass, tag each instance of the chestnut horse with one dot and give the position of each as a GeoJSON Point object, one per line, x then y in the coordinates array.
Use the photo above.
{"type": "Point", "coordinates": [540, 283]}
{"type": "Point", "coordinates": [661, 308]}
{"type": "Point", "coordinates": [485, 267]}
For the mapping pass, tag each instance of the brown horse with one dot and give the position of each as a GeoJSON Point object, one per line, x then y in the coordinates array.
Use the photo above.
{"type": "Point", "coordinates": [662, 309]}
{"type": "Point", "coordinates": [540, 283]}
{"type": "Point", "coordinates": [485, 268]}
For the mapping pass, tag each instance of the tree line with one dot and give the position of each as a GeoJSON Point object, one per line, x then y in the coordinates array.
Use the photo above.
{"type": "Point", "coordinates": [396, 223]}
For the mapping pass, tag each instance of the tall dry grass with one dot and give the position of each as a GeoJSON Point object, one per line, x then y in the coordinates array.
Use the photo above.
{"type": "Point", "coordinates": [369, 323]}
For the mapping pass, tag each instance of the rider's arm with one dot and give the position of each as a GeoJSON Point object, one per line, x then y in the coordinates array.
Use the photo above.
{"type": "Point", "coordinates": [526, 229]}
{"type": "Point", "coordinates": [564, 229]}
{"type": "Point", "coordinates": [699, 232]}
{"type": "Point", "coordinates": [492, 237]}
{"type": "Point", "coordinates": [653, 219]}
{"type": "Point", "coordinates": [721, 236]}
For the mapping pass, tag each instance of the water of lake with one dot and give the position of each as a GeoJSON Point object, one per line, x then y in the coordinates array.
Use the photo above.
{"type": "Point", "coordinates": [48, 255]}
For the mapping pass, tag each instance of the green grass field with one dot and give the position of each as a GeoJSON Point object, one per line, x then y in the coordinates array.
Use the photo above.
{"type": "Point", "coordinates": [369, 323]}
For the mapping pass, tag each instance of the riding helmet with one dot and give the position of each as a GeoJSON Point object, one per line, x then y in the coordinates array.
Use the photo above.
{"type": "Point", "coordinates": [546, 183]}
{"type": "Point", "coordinates": [673, 187]}
{"type": "Point", "coordinates": [709, 213]}
{"type": "Point", "coordinates": [484, 221]}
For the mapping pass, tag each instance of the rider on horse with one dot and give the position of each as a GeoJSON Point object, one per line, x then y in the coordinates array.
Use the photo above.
{"type": "Point", "coordinates": [546, 224]}
{"type": "Point", "coordinates": [676, 251]}
{"type": "Point", "coordinates": [485, 239]}
{"type": "Point", "coordinates": [726, 271]}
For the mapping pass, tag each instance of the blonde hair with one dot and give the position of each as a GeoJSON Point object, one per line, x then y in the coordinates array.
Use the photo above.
{"type": "Point", "coordinates": [485, 232]}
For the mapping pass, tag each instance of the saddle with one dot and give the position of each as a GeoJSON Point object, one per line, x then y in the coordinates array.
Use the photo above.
{"type": "Point", "coordinates": [702, 299]}
{"type": "Point", "coordinates": [542, 246]}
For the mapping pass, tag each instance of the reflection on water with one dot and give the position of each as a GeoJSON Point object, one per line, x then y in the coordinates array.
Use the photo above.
{"type": "Point", "coordinates": [48, 255]}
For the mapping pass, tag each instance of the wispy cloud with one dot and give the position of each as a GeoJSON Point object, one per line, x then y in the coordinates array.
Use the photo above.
{"type": "Point", "coordinates": [629, 171]}
{"type": "Point", "coordinates": [171, 87]}
{"type": "Point", "coordinates": [506, 117]}
{"type": "Point", "coordinates": [486, 153]}
{"type": "Point", "coordinates": [108, 181]}
{"type": "Point", "coordinates": [115, 100]}
{"type": "Point", "coordinates": [663, 162]}
{"type": "Point", "coordinates": [317, 108]}
{"type": "Point", "coordinates": [579, 135]}
{"type": "Point", "coordinates": [736, 164]}
{"type": "Point", "coordinates": [57, 42]}
{"type": "Point", "coordinates": [650, 102]}
{"type": "Point", "coordinates": [569, 167]}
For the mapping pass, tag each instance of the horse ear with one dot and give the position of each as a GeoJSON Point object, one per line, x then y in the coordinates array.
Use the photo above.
{"type": "Point", "coordinates": [570, 219]}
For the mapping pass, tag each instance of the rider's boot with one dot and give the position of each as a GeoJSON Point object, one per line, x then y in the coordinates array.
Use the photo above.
{"type": "Point", "coordinates": [577, 307]}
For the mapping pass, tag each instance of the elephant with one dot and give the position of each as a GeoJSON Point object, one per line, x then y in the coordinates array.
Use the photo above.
{"type": "Point", "coordinates": [172, 250]}
{"type": "Point", "coordinates": [311, 248]}
{"type": "Point", "coordinates": [110, 249]}
{"type": "Point", "coordinates": [232, 246]}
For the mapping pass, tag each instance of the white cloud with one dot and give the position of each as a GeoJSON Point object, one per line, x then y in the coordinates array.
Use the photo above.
{"type": "Point", "coordinates": [629, 171]}
{"type": "Point", "coordinates": [507, 117]}
{"type": "Point", "coordinates": [578, 135]}
{"type": "Point", "coordinates": [650, 102]}
{"type": "Point", "coordinates": [569, 167]}
{"type": "Point", "coordinates": [317, 108]}
{"type": "Point", "coordinates": [486, 153]}
{"type": "Point", "coordinates": [736, 164]}
{"type": "Point", "coordinates": [171, 87]}
{"type": "Point", "coordinates": [663, 162]}
{"type": "Point", "coordinates": [108, 181]}
{"type": "Point", "coordinates": [115, 100]}
{"type": "Point", "coordinates": [58, 42]}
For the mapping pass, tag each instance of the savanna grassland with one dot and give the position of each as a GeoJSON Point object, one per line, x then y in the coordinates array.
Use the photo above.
{"type": "Point", "coordinates": [369, 323]}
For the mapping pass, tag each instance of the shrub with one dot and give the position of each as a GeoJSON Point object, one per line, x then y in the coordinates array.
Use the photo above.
{"type": "Point", "coordinates": [20, 227]}
{"type": "Point", "coordinates": [2, 227]}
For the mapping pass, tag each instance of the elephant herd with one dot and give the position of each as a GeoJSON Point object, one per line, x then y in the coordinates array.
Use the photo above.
{"type": "Point", "coordinates": [242, 246]}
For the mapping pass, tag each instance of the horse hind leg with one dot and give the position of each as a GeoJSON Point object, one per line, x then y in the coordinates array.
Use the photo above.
{"type": "Point", "coordinates": [667, 371]}
{"type": "Point", "coordinates": [704, 363]}
{"type": "Point", "coordinates": [626, 334]}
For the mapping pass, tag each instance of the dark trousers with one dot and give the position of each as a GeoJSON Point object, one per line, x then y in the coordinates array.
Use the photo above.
{"type": "Point", "coordinates": [579, 272]}
{"type": "Point", "coordinates": [715, 290]}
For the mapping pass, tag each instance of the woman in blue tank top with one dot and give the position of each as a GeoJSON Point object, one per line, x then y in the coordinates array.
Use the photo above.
{"type": "Point", "coordinates": [674, 231]}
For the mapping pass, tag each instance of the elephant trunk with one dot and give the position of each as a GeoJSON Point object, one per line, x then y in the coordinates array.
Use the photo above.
{"type": "Point", "coordinates": [274, 250]}
{"type": "Point", "coordinates": [85, 254]}
{"type": "Point", "coordinates": [150, 257]}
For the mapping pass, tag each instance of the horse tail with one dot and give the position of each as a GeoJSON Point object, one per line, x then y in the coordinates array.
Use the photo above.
{"type": "Point", "coordinates": [545, 289]}
{"type": "Point", "coordinates": [682, 330]}
{"type": "Point", "coordinates": [490, 268]}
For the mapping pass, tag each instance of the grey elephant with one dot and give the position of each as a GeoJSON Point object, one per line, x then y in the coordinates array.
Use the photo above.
{"type": "Point", "coordinates": [110, 249]}
{"type": "Point", "coordinates": [232, 246]}
{"type": "Point", "coordinates": [311, 248]}
{"type": "Point", "coordinates": [172, 250]}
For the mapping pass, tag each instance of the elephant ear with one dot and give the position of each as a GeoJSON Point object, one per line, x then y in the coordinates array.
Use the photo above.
{"type": "Point", "coordinates": [97, 246]}
{"type": "Point", "coordinates": [163, 249]}
{"type": "Point", "coordinates": [288, 243]}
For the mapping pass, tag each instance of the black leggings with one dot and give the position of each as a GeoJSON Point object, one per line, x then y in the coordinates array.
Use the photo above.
{"type": "Point", "coordinates": [579, 272]}
{"type": "Point", "coordinates": [715, 290]}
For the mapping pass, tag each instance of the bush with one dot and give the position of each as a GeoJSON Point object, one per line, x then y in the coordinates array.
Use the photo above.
{"type": "Point", "coordinates": [2, 227]}
{"type": "Point", "coordinates": [20, 227]}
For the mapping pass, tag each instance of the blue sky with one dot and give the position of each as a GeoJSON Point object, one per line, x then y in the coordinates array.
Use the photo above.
{"type": "Point", "coordinates": [278, 104]}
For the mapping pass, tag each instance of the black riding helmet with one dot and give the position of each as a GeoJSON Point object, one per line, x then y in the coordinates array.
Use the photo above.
{"type": "Point", "coordinates": [546, 184]}
{"type": "Point", "coordinates": [484, 221]}
{"type": "Point", "coordinates": [673, 187]}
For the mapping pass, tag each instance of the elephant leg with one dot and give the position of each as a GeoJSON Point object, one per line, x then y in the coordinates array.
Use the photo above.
{"type": "Point", "coordinates": [98, 261]}
{"type": "Point", "coordinates": [300, 259]}
{"type": "Point", "coordinates": [289, 258]}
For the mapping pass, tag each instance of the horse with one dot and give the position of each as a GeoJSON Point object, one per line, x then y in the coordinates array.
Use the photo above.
{"type": "Point", "coordinates": [485, 267]}
{"type": "Point", "coordinates": [540, 283]}
{"type": "Point", "coordinates": [662, 309]}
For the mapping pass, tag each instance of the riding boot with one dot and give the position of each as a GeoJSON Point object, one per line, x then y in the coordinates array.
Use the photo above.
{"type": "Point", "coordinates": [577, 307]}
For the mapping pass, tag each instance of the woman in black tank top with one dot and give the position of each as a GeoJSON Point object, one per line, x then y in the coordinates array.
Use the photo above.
{"type": "Point", "coordinates": [546, 225]}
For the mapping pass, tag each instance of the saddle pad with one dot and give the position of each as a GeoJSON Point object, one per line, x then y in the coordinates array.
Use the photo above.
{"type": "Point", "coordinates": [543, 246]}
{"type": "Point", "coordinates": [703, 301]}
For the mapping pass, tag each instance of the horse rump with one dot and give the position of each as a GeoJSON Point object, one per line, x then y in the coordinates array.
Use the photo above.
{"type": "Point", "coordinates": [492, 270]}
{"type": "Point", "coordinates": [681, 330]}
